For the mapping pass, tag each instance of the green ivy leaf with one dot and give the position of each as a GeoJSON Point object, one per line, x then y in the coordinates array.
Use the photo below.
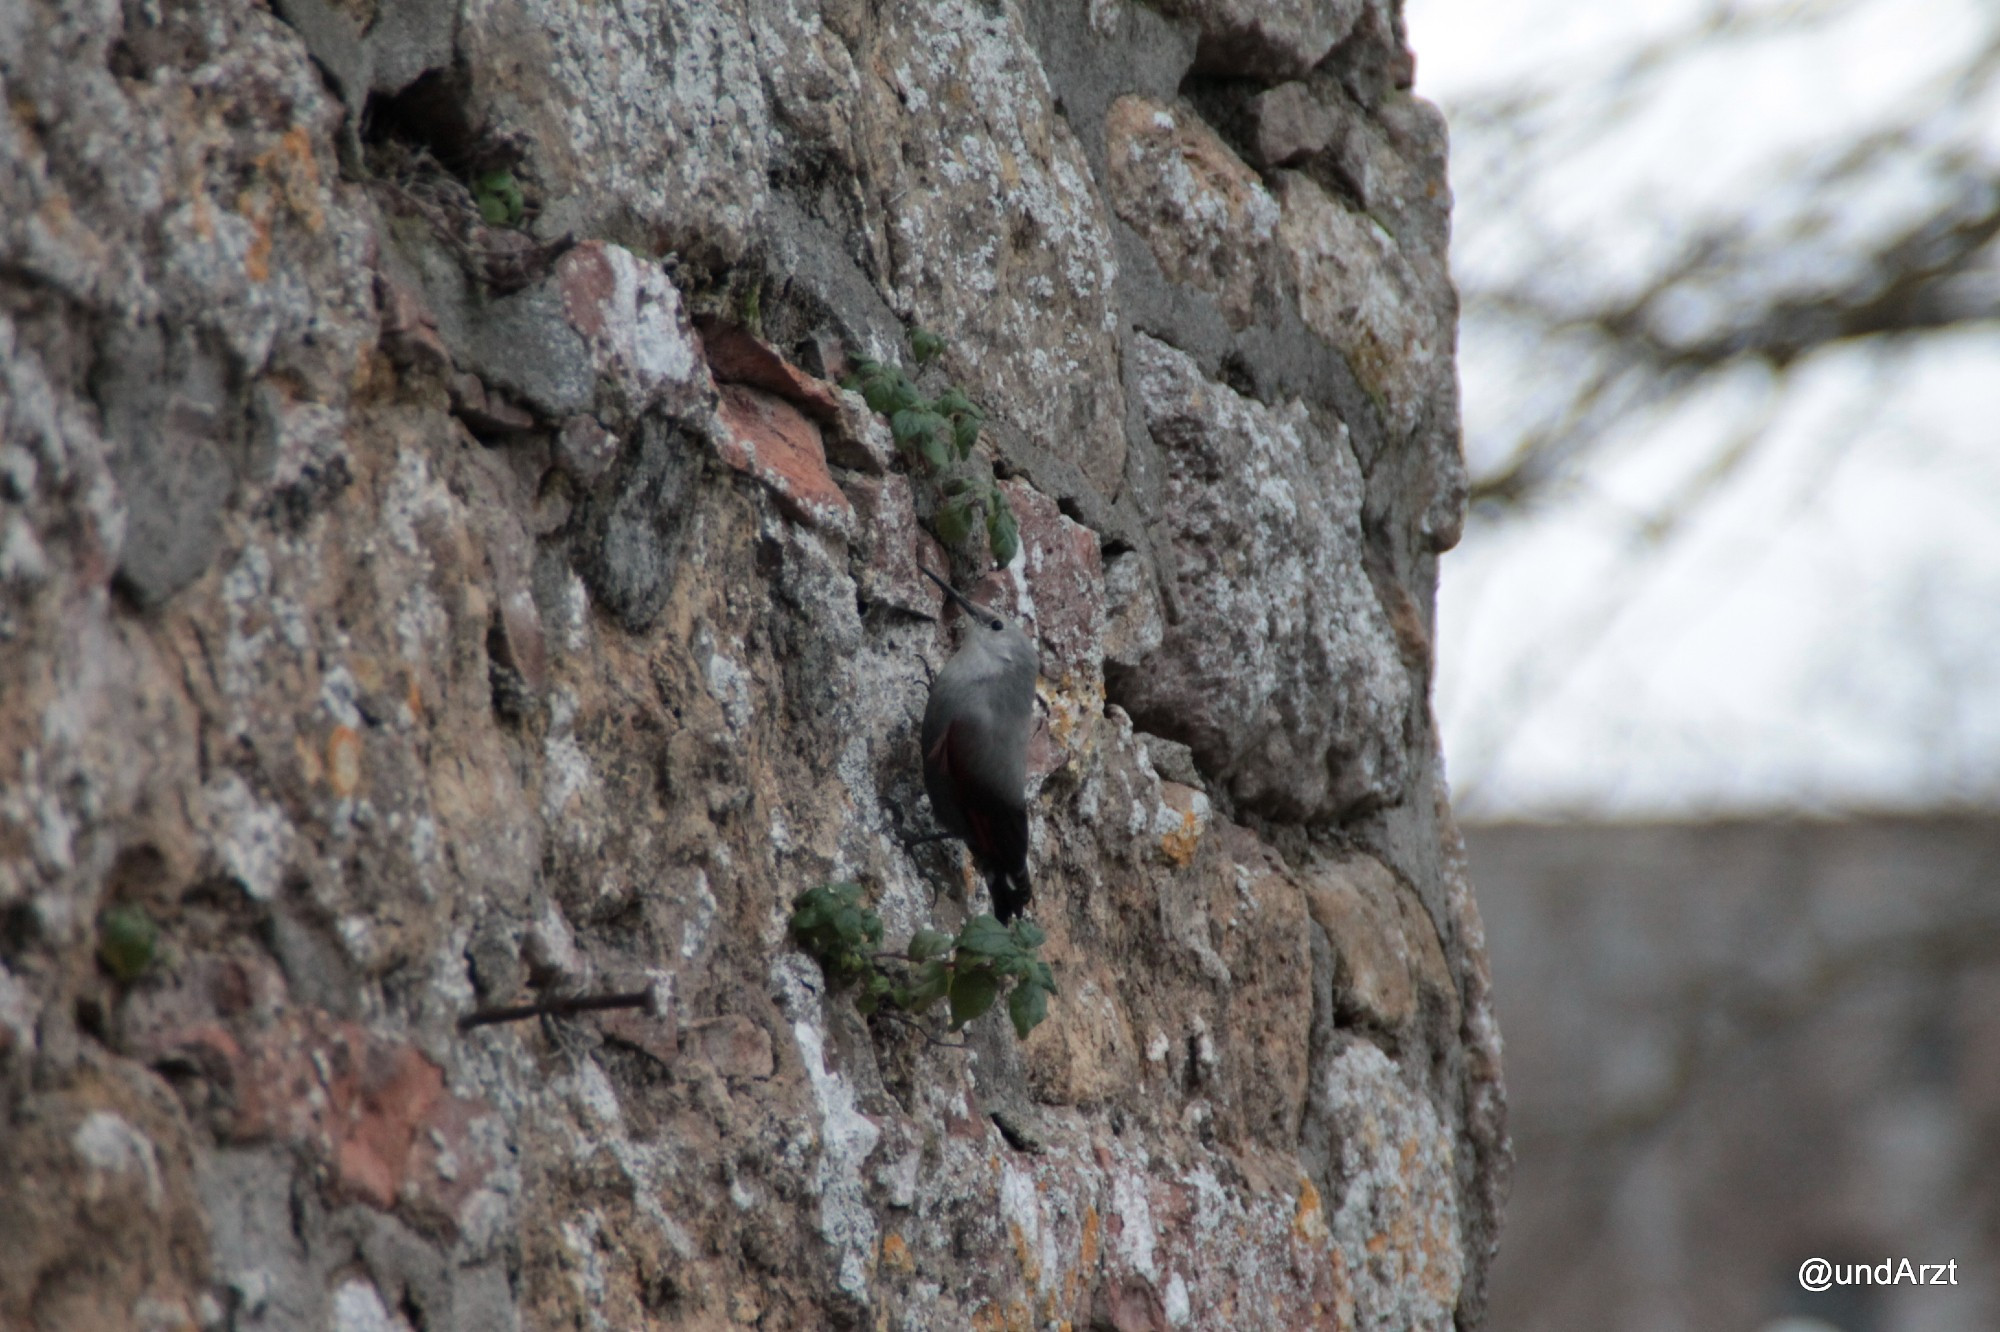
{"type": "Point", "coordinates": [985, 936]}
{"type": "Point", "coordinates": [923, 431]}
{"type": "Point", "coordinates": [937, 444]}
{"type": "Point", "coordinates": [888, 391]}
{"type": "Point", "coordinates": [808, 911]}
{"type": "Point", "coordinates": [925, 345]}
{"type": "Point", "coordinates": [973, 991]}
{"type": "Point", "coordinates": [1015, 966]}
{"type": "Point", "coordinates": [926, 944]}
{"type": "Point", "coordinates": [126, 940]}
{"type": "Point", "coordinates": [965, 433]}
{"type": "Point", "coordinates": [879, 391]}
{"type": "Point", "coordinates": [499, 197]}
{"type": "Point", "coordinates": [955, 519]}
{"type": "Point", "coordinates": [932, 980]}
{"type": "Point", "coordinates": [1027, 1006]}
{"type": "Point", "coordinates": [833, 925]}
{"type": "Point", "coordinates": [1002, 533]}
{"type": "Point", "coordinates": [909, 423]}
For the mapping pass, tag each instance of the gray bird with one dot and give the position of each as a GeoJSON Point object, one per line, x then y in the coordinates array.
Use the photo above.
{"type": "Point", "coordinates": [975, 739]}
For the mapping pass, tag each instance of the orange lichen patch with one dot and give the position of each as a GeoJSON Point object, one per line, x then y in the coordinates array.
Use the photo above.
{"type": "Point", "coordinates": [255, 207]}
{"type": "Point", "coordinates": [1071, 702]}
{"type": "Point", "coordinates": [289, 165]}
{"type": "Point", "coordinates": [1014, 1316]}
{"type": "Point", "coordinates": [1309, 1218]}
{"type": "Point", "coordinates": [896, 1256]}
{"type": "Point", "coordinates": [1024, 1253]}
{"type": "Point", "coordinates": [204, 212]}
{"type": "Point", "coordinates": [291, 161]}
{"type": "Point", "coordinates": [343, 760]}
{"type": "Point", "coordinates": [1343, 1289]}
{"type": "Point", "coordinates": [1179, 845]}
{"type": "Point", "coordinates": [310, 765]}
{"type": "Point", "coordinates": [1065, 1294]}
{"type": "Point", "coordinates": [366, 670]}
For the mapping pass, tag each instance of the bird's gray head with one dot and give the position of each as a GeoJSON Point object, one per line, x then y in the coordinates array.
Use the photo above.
{"type": "Point", "coordinates": [988, 632]}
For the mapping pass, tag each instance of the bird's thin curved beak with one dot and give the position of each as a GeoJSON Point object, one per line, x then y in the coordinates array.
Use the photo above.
{"type": "Point", "coordinates": [967, 603]}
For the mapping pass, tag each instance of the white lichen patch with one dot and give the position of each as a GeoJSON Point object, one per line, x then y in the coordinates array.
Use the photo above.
{"type": "Point", "coordinates": [1021, 1212]}
{"type": "Point", "coordinates": [1396, 1221]}
{"type": "Point", "coordinates": [251, 839]}
{"type": "Point", "coordinates": [109, 1145]}
{"type": "Point", "coordinates": [581, 1236]}
{"type": "Point", "coordinates": [729, 685]}
{"type": "Point", "coordinates": [701, 915]}
{"type": "Point", "coordinates": [846, 1136]}
{"type": "Point", "coordinates": [666, 105]}
{"type": "Point", "coordinates": [567, 774]}
{"type": "Point", "coordinates": [1135, 1239]}
{"type": "Point", "coordinates": [641, 335]}
{"type": "Point", "coordinates": [598, 1098]}
{"type": "Point", "coordinates": [358, 1307]}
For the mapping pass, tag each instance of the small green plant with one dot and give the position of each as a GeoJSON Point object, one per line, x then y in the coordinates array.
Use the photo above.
{"type": "Point", "coordinates": [937, 435]}
{"type": "Point", "coordinates": [127, 940]}
{"type": "Point", "coordinates": [500, 198]}
{"type": "Point", "coordinates": [925, 345]}
{"type": "Point", "coordinates": [968, 971]}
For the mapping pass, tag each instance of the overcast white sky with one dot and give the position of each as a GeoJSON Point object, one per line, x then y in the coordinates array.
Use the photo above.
{"type": "Point", "coordinates": [1824, 634]}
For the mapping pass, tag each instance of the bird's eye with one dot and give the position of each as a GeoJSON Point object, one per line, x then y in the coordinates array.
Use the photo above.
{"type": "Point", "coordinates": [995, 625]}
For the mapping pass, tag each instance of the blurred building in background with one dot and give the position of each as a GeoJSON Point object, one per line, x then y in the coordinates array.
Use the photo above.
{"type": "Point", "coordinates": [1736, 1046]}
{"type": "Point", "coordinates": [1731, 379]}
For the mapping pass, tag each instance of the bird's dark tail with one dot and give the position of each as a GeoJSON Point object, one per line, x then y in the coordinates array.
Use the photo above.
{"type": "Point", "coordinates": [1011, 892]}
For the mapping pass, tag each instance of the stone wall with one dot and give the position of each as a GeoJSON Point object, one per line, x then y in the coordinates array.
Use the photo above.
{"type": "Point", "coordinates": [437, 566]}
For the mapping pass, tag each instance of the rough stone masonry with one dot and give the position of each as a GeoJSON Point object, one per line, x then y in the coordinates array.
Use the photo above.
{"type": "Point", "coordinates": [438, 566]}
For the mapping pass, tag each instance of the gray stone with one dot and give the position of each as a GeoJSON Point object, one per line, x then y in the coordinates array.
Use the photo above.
{"type": "Point", "coordinates": [524, 344]}
{"type": "Point", "coordinates": [1135, 624]}
{"type": "Point", "coordinates": [1281, 671]}
{"type": "Point", "coordinates": [165, 415]}
{"type": "Point", "coordinates": [1288, 124]}
{"type": "Point", "coordinates": [630, 535]}
{"type": "Point", "coordinates": [585, 449]}
{"type": "Point", "coordinates": [1270, 40]}
{"type": "Point", "coordinates": [964, 137]}
{"type": "Point", "coordinates": [1172, 760]}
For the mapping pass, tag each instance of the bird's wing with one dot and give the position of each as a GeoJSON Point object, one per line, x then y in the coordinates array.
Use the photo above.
{"type": "Point", "coordinates": [995, 812]}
